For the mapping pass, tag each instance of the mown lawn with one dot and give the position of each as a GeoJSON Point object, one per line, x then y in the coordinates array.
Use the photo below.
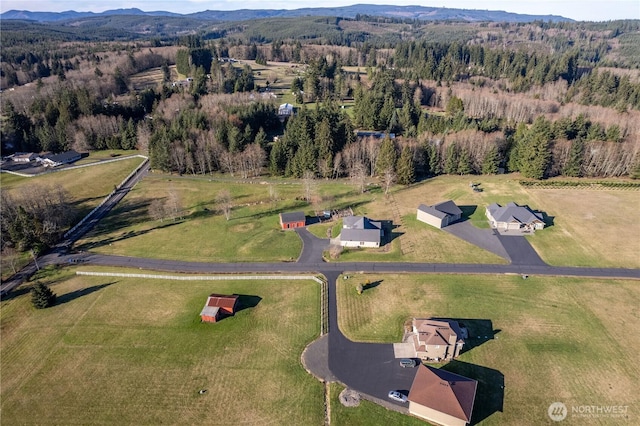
{"type": "Point", "coordinates": [133, 351]}
{"type": "Point", "coordinates": [589, 227]}
{"type": "Point", "coordinates": [554, 339]}
{"type": "Point", "coordinates": [202, 233]}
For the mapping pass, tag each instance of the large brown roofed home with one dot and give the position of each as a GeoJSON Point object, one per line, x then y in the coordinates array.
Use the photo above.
{"type": "Point", "coordinates": [442, 397]}
{"type": "Point", "coordinates": [437, 340]}
{"type": "Point", "coordinates": [218, 306]}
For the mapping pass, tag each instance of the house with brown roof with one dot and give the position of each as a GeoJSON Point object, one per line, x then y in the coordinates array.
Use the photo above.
{"type": "Point", "coordinates": [292, 220]}
{"type": "Point", "coordinates": [513, 217]}
{"type": "Point", "coordinates": [219, 306]}
{"type": "Point", "coordinates": [439, 215]}
{"type": "Point", "coordinates": [442, 397]}
{"type": "Point", "coordinates": [437, 340]}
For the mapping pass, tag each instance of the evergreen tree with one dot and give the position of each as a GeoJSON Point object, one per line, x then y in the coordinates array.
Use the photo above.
{"type": "Point", "coordinates": [573, 167]}
{"type": "Point", "coordinates": [434, 161]}
{"type": "Point", "coordinates": [387, 157]}
{"type": "Point", "coordinates": [42, 297]}
{"type": "Point", "coordinates": [451, 160]}
{"type": "Point", "coordinates": [261, 138]}
{"type": "Point", "coordinates": [325, 145]}
{"type": "Point", "coordinates": [406, 167]}
{"type": "Point", "coordinates": [464, 163]}
{"type": "Point", "coordinates": [129, 139]}
{"type": "Point", "coordinates": [534, 151]}
{"type": "Point", "coordinates": [491, 162]}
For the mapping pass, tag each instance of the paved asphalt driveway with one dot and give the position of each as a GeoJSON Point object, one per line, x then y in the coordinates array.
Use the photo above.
{"type": "Point", "coordinates": [483, 238]}
{"type": "Point", "coordinates": [520, 251]}
{"type": "Point", "coordinates": [312, 246]}
{"type": "Point", "coordinates": [369, 368]}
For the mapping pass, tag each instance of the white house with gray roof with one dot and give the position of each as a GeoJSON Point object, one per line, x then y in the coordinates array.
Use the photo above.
{"type": "Point", "coordinates": [514, 217]}
{"type": "Point", "coordinates": [360, 231]}
{"type": "Point", "coordinates": [439, 215]}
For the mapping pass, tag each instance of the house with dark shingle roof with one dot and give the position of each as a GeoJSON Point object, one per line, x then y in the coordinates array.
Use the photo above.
{"type": "Point", "coordinates": [360, 231]}
{"type": "Point", "coordinates": [514, 217]}
{"type": "Point", "coordinates": [292, 220]}
{"type": "Point", "coordinates": [439, 215]}
{"type": "Point", "coordinates": [437, 340]}
{"type": "Point", "coordinates": [442, 397]}
{"type": "Point", "coordinates": [55, 160]}
{"type": "Point", "coordinates": [218, 306]}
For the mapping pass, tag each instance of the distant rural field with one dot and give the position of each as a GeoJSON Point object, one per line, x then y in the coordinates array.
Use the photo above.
{"type": "Point", "coordinates": [133, 351]}
{"type": "Point", "coordinates": [552, 339]}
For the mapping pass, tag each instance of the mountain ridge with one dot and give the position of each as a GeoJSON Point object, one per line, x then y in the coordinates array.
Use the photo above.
{"type": "Point", "coordinates": [422, 13]}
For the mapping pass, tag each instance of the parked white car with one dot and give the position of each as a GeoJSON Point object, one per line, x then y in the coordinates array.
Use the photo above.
{"type": "Point", "coordinates": [397, 396]}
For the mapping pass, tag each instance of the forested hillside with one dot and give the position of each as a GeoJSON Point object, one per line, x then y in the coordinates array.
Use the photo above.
{"type": "Point", "coordinates": [543, 99]}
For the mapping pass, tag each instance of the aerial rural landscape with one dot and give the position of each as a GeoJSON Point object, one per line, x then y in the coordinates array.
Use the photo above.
{"type": "Point", "coordinates": [355, 215]}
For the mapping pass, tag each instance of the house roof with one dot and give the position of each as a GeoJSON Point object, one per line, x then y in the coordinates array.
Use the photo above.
{"type": "Point", "coordinates": [448, 207]}
{"type": "Point", "coordinates": [441, 210]}
{"type": "Point", "coordinates": [434, 332]}
{"type": "Point", "coordinates": [222, 301]}
{"type": "Point", "coordinates": [360, 222]}
{"type": "Point", "coordinates": [63, 157]}
{"type": "Point", "coordinates": [361, 235]}
{"type": "Point", "coordinates": [513, 213]}
{"type": "Point", "coordinates": [444, 391]}
{"type": "Point", "coordinates": [292, 217]}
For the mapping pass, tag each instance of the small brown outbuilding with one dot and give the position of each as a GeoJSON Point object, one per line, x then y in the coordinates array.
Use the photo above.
{"type": "Point", "coordinates": [219, 306]}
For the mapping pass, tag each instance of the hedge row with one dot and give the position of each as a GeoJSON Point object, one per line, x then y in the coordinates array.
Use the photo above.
{"type": "Point", "coordinates": [580, 184]}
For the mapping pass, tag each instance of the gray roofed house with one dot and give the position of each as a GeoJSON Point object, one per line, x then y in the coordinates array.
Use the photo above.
{"type": "Point", "coordinates": [439, 215]}
{"type": "Point", "coordinates": [55, 160]}
{"type": "Point", "coordinates": [514, 217]}
{"type": "Point", "coordinates": [360, 231]}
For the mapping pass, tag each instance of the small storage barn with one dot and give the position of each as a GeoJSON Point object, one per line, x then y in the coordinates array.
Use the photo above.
{"type": "Point", "coordinates": [292, 220]}
{"type": "Point", "coordinates": [219, 306]}
{"type": "Point", "coordinates": [439, 215]}
{"type": "Point", "coordinates": [442, 397]}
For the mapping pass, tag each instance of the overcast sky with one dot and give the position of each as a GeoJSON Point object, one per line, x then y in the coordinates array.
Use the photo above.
{"type": "Point", "coordinates": [586, 10]}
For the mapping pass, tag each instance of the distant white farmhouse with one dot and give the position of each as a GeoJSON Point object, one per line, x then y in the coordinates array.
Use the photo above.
{"type": "Point", "coordinates": [514, 217]}
{"type": "Point", "coordinates": [439, 215]}
{"type": "Point", "coordinates": [285, 110]}
{"type": "Point", "coordinates": [359, 231]}
{"type": "Point", "coordinates": [23, 157]}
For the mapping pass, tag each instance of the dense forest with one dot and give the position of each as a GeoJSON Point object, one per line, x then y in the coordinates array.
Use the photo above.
{"type": "Point", "coordinates": [542, 99]}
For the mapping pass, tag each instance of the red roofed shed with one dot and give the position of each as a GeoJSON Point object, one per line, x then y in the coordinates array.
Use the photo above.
{"type": "Point", "coordinates": [219, 306]}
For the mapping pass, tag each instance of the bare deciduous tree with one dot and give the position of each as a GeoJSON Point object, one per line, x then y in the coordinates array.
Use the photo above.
{"type": "Point", "coordinates": [156, 209]}
{"type": "Point", "coordinates": [358, 175]}
{"type": "Point", "coordinates": [309, 185]}
{"type": "Point", "coordinates": [388, 179]}
{"type": "Point", "coordinates": [223, 200]}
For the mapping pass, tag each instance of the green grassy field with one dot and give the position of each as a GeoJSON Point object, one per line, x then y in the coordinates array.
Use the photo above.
{"type": "Point", "coordinates": [203, 234]}
{"type": "Point", "coordinates": [555, 338]}
{"type": "Point", "coordinates": [87, 186]}
{"type": "Point", "coordinates": [133, 351]}
{"type": "Point", "coordinates": [588, 226]}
